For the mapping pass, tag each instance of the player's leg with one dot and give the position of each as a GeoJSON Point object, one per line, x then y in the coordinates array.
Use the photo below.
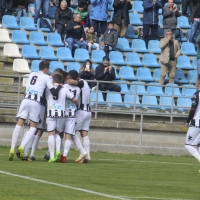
{"type": "Point", "coordinates": [86, 144]}
{"type": "Point", "coordinates": [67, 147]}
{"type": "Point", "coordinates": [61, 141]}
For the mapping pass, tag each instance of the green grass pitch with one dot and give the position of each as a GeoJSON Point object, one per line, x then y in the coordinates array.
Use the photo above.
{"type": "Point", "coordinates": [107, 176]}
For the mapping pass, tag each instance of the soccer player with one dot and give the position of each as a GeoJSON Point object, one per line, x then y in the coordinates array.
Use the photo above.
{"type": "Point", "coordinates": [193, 121]}
{"type": "Point", "coordinates": [30, 106]}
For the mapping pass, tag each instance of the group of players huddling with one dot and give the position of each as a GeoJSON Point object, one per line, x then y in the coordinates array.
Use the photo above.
{"type": "Point", "coordinates": [60, 102]}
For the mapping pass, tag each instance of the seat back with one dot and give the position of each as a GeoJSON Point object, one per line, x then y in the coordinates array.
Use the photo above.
{"type": "Point", "coordinates": [188, 90]}
{"type": "Point", "coordinates": [64, 52]}
{"type": "Point", "coordinates": [134, 18]}
{"type": "Point", "coordinates": [160, 21]}
{"type": "Point", "coordinates": [21, 65]}
{"type": "Point", "coordinates": [98, 55]}
{"type": "Point", "coordinates": [26, 22]}
{"type": "Point", "coordinates": [29, 50]}
{"type": "Point", "coordinates": [192, 76]}
{"type": "Point", "coordinates": [9, 20]}
{"type": "Point", "coordinates": [53, 38]}
{"type": "Point", "coordinates": [4, 36]}
{"type": "Point", "coordinates": [179, 74]}
{"type": "Point", "coordinates": [194, 63]}
{"type": "Point", "coordinates": [126, 71]}
{"type": "Point", "coordinates": [11, 50]}
{"type": "Point", "coordinates": [116, 56]}
{"type": "Point", "coordinates": [187, 46]}
{"type": "Point", "coordinates": [153, 45]}
{"type": "Point", "coordinates": [36, 36]}
{"type": "Point", "coordinates": [137, 6]}
{"type": "Point", "coordinates": [139, 87]}
{"type": "Point", "coordinates": [138, 44]}
{"type": "Point", "coordinates": [122, 43]}
{"type": "Point", "coordinates": [184, 103]}
{"type": "Point", "coordinates": [114, 99]}
{"type": "Point", "coordinates": [18, 35]}
{"type": "Point", "coordinates": [130, 33]}
{"type": "Point", "coordinates": [81, 53]}
{"type": "Point", "coordinates": [154, 89]}
{"type": "Point", "coordinates": [169, 89]}
{"type": "Point", "coordinates": [100, 98]}
{"type": "Point", "coordinates": [166, 101]}
{"type": "Point", "coordinates": [143, 72]}
{"type": "Point", "coordinates": [51, 12]}
{"type": "Point", "coordinates": [129, 100]}
{"type": "Point", "coordinates": [35, 65]}
{"type": "Point", "coordinates": [132, 57]}
{"type": "Point", "coordinates": [183, 60]}
{"type": "Point", "coordinates": [149, 58]}
{"type": "Point", "coordinates": [46, 51]}
{"type": "Point", "coordinates": [182, 21]}
{"type": "Point", "coordinates": [54, 65]}
{"type": "Point", "coordinates": [149, 100]}
{"type": "Point", "coordinates": [73, 66]}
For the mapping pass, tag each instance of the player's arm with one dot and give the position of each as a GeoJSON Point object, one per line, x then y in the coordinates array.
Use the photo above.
{"type": "Point", "coordinates": [79, 83]}
{"type": "Point", "coordinates": [54, 91]}
{"type": "Point", "coordinates": [72, 97]}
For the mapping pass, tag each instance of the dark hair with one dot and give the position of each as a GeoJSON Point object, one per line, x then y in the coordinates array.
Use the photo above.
{"type": "Point", "coordinates": [80, 4]}
{"type": "Point", "coordinates": [111, 23]}
{"type": "Point", "coordinates": [43, 65]}
{"type": "Point", "coordinates": [59, 70]}
{"type": "Point", "coordinates": [58, 78]}
{"type": "Point", "coordinates": [73, 74]}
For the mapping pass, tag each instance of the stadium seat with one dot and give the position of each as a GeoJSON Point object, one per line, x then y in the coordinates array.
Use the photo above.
{"type": "Point", "coordinates": [11, 50]}
{"type": "Point", "coordinates": [150, 102]}
{"type": "Point", "coordinates": [35, 65]}
{"type": "Point", "coordinates": [71, 9]}
{"type": "Point", "coordinates": [144, 74]}
{"type": "Point", "coordinates": [138, 88]}
{"type": "Point", "coordinates": [37, 38]}
{"type": "Point", "coordinates": [188, 9]}
{"type": "Point", "coordinates": [4, 36]}
{"type": "Point", "coordinates": [31, 9]}
{"type": "Point", "coordinates": [9, 22]}
{"type": "Point", "coordinates": [116, 58]}
{"type": "Point", "coordinates": [47, 53]}
{"type": "Point", "coordinates": [153, 46]}
{"type": "Point", "coordinates": [73, 66]}
{"type": "Point", "coordinates": [29, 52]}
{"type": "Point", "coordinates": [129, 101]}
{"type": "Point", "coordinates": [110, 7]}
{"type": "Point", "coordinates": [180, 36]}
{"type": "Point", "coordinates": [133, 59]}
{"type": "Point", "coordinates": [139, 45]}
{"type": "Point", "coordinates": [51, 12]}
{"type": "Point", "coordinates": [43, 29]}
{"type": "Point", "coordinates": [160, 33]}
{"type": "Point", "coordinates": [123, 45]}
{"type": "Point", "coordinates": [111, 17]}
{"type": "Point", "coordinates": [100, 98]}
{"type": "Point", "coordinates": [135, 19]}
{"type": "Point", "coordinates": [114, 99]}
{"type": "Point", "coordinates": [94, 66]}
{"type": "Point", "coordinates": [21, 66]}
{"type": "Point", "coordinates": [160, 11]}
{"type": "Point", "coordinates": [188, 90]}
{"type": "Point", "coordinates": [19, 37]}
{"type": "Point", "coordinates": [192, 76]}
{"type": "Point", "coordinates": [130, 33]}
{"type": "Point", "coordinates": [180, 77]}
{"type": "Point", "coordinates": [150, 60]}
{"type": "Point", "coordinates": [166, 103]}
{"type": "Point", "coordinates": [156, 75]}
{"type": "Point", "coordinates": [194, 63]}
{"type": "Point", "coordinates": [54, 39]}
{"type": "Point", "coordinates": [155, 89]}
{"type": "Point", "coordinates": [127, 73]}
{"type": "Point", "coordinates": [64, 54]}
{"type": "Point", "coordinates": [183, 62]}
{"type": "Point", "coordinates": [97, 56]}
{"type": "Point", "coordinates": [81, 55]}
{"type": "Point", "coordinates": [182, 22]}
{"type": "Point", "coordinates": [123, 85]}
{"type": "Point", "coordinates": [137, 6]}
{"type": "Point", "coordinates": [160, 21]}
{"type": "Point", "coordinates": [183, 104]}
{"type": "Point", "coordinates": [188, 49]}
{"type": "Point", "coordinates": [27, 24]}
{"type": "Point", "coordinates": [54, 65]}
{"type": "Point", "coordinates": [116, 74]}
{"type": "Point", "coordinates": [169, 90]}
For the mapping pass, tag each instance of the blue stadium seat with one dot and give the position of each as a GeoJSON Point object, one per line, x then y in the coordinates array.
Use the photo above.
{"type": "Point", "coordinates": [194, 63]}
{"type": "Point", "coordinates": [183, 104]}
{"type": "Point", "coordinates": [127, 73]}
{"type": "Point", "coordinates": [73, 66]}
{"type": "Point", "coordinates": [150, 102]}
{"type": "Point", "coordinates": [192, 76]}
{"type": "Point", "coordinates": [180, 77]}
{"type": "Point", "coordinates": [31, 9]}
{"type": "Point", "coordinates": [155, 89]}
{"type": "Point", "coordinates": [97, 56]}
{"type": "Point", "coordinates": [130, 33]}
{"type": "Point", "coordinates": [100, 98]}
{"type": "Point", "coordinates": [19, 37]}
{"type": "Point", "coordinates": [37, 38]}
{"type": "Point", "coordinates": [153, 46]}
{"type": "Point", "coordinates": [110, 7]}
{"type": "Point", "coordinates": [160, 11]}
{"type": "Point", "coordinates": [166, 103]}
{"type": "Point", "coordinates": [71, 9]}
{"type": "Point", "coordinates": [137, 6]}
{"type": "Point", "coordinates": [183, 62]}
{"type": "Point", "coordinates": [64, 54]}
{"type": "Point", "coordinates": [94, 66]}
{"type": "Point", "coordinates": [156, 75]}
{"type": "Point", "coordinates": [81, 55]}
{"type": "Point", "coordinates": [111, 17]}
{"type": "Point", "coordinates": [9, 21]}
{"type": "Point", "coordinates": [129, 100]}
{"type": "Point", "coordinates": [139, 45]}
{"type": "Point", "coordinates": [114, 99]}
{"type": "Point", "coordinates": [150, 60]}
{"type": "Point", "coordinates": [135, 19]}
{"type": "Point", "coordinates": [160, 33]}
{"type": "Point", "coordinates": [160, 21]}
{"type": "Point", "coordinates": [123, 85]}
{"type": "Point", "coordinates": [116, 58]}
{"type": "Point", "coordinates": [116, 74]}
{"type": "Point", "coordinates": [144, 74]}
{"type": "Point", "coordinates": [188, 49]}
{"type": "Point", "coordinates": [138, 87]}
{"type": "Point", "coordinates": [27, 23]}
{"type": "Point", "coordinates": [188, 9]}
{"type": "Point", "coordinates": [43, 29]}
{"type": "Point", "coordinates": [54, 39]}
{"type": "Point", "coordinates": [180, 36]}
{"type": "Point", "coordinates": [169, 90]}
{"type": "Point", "coordinates": [123, 45]}
{"type": "Point", "coordinates": [133, 59]}
{"type": "Point", "coordinates": [188, 90]}
{"type": "Point", "coordinates": [182, 22]}
{"type": "Point", "coordinates": [29, 52]}
{"type": "Point", "coordinates": [51, 12]}
{"type": "Point", "coordinates": [35, 65]}
{"type": "Point", "coordinates": [47, 53]}
{"type": "Point", "coordinates": [54, 65]}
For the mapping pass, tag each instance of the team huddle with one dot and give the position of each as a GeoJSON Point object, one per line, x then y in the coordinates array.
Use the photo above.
{"type": "Point", "coordinates": [60, 104]}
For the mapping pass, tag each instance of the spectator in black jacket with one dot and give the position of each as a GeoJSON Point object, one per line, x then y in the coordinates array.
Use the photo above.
{"type": "Point", "coordinates": [3, 5]}
{"type": "Point", "coordinates": [62, 16]}
{"type": "Point", "coordinates": [121, 16]}
{"type": "Point", "coordinates": [75, 33]}
{"type": "Point", "coordinates": [105, 72]}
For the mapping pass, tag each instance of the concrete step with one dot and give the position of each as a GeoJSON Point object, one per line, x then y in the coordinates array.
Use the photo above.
{"type": "Point", "coordinates": [11, 89]}
{"type": "Point", "coordinates": [8, 111]}
{"type": "Point", "coordinates": [6, 81]}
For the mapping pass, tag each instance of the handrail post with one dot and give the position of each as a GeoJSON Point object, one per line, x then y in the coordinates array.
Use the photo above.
{"type": "Point", "coordinates": [141, 128]}
{"type": "Point", "coordinates": [134, 108]}
{"type": "Point", "coordinates": [96, 102]}
{"type": "Point", "coordinates": [172, 104]}
{"type": "Point", "coordinates": [19, 90]}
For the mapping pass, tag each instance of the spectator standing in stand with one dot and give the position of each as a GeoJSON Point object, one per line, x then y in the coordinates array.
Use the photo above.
{"type": "Point", "coordinates": [198, 54]}
{"type": "Point", "coordinates": [185, 4]}
{"type": "Point", "coordinates": [3, 5]}
{"type": "Point", "coordinates": [19, 6]}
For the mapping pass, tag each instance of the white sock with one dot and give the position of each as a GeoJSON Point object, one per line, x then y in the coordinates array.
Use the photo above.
{"type": "Point", "coordinates": [67, 147]}
{"type": "Point", "coordinates": [34, 146]}
{"type": "Point", "coordinates": [193, 152]}
{"type": "Point", "coordinates": [61, 144]}
{"type": "Point", "coordinates": [24, 136]}
{"type": "Point", "coordinates": [28, 146]}
{"type": "Point", "coordinates": [51, 145]}
{"type": "Point", "coordinates": [15, 136]}
{"type": "Point", "coordinates": [198, 149]}
{"type": "Point", "coordinates": [86, 144]}
{"type": "Point", "coordinates": [77, 142]}
{"type": "Point", "coordinates": [29, 135]}
{"type": "Point", "coordinates": [58, 141]}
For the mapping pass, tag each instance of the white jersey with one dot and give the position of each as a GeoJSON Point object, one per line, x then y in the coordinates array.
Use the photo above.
{"type": "Point", "coordinates": [37, 83]}
{"type": "Point", "coordinates": [84, 100]}
{"type": "Point", "coordinates": [70, 107]}
{"type": "Point", "coordinates": [56, 104]}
